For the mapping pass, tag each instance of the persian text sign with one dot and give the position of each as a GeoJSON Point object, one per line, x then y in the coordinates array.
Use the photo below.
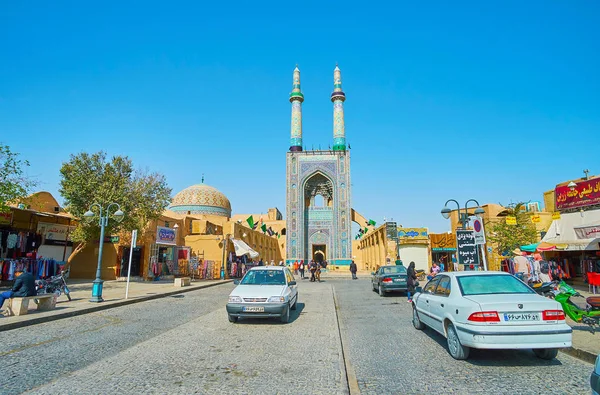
{"type": "Point", "coordinates": [466, 248]}
{"type": "Point", "coordinates": [585, 193]}
{"type": "Point", "coordinates": [587, 232]}
{"type": "Point", "coordinates": [413, 233]}
{"type": "Point", "coordinates": [165, 235]}
{"type": "Point", "coordinates": [6, 218]}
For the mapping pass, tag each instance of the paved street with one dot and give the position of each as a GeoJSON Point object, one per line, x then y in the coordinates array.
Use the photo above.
{"type": "Point", "coordinates": [184, 344]}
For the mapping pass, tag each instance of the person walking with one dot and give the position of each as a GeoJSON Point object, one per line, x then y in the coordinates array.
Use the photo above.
{"type": "Point", "coordinates": [412, 281]}
{"type": "Point", "coordinates": [318, 271]}
{"type": "Point", "coordinates": [521, 264]}
{"type": "Point", "coordinates": [295, 267]}
{"type": "Point", "coordinates": [312, 266]}
{"type": "Point", "coordinates": [353, 270]}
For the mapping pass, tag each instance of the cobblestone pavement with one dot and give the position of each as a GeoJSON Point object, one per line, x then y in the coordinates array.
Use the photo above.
{"type": "Point", "coordinates": [390, 357]}
{"type": "Point", "coordinates": [182, 344]}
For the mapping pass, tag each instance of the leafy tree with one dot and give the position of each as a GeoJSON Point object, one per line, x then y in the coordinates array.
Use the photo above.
{"type": "Point", "coordinates": [508, 237]}
{"type": "Point", "coordinates": [91, 178]}
{"type": "Point", "coordinates": [14, 184]}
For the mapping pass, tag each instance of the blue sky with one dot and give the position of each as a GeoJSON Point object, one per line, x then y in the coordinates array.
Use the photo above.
{"type": "Point", "coordinates": [496, 101]}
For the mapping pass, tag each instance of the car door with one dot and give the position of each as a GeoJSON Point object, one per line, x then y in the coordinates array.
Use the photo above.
{"type": "Point", "coordinates": [375, 279]}
{"type": "Point", "coordinates": [423, 302]}
{"type": "Point", "coordinates": [438, 302]}
{"type": "Point", "coordinates": [293, 289]}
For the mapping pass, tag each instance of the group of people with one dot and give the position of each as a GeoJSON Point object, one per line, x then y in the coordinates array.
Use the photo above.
{"type": "Point", "coordinates": [533, 267]}
{"type": "Point", "coordinates": [313, 267]}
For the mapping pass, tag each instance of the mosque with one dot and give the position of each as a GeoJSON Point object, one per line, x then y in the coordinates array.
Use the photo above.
{"type": "Point", "coordinates": [198, 225]}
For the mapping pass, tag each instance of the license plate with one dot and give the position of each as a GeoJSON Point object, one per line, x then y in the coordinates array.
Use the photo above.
{"type": "Point", "coordinates": [253, 309]}
{"type": "Point", "coordinates": [399, 280]}
{"type": "Point", "coordinates": [521, 316]}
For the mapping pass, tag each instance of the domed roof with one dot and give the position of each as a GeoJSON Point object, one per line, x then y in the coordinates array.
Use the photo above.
{"type": "Point", "coordinates": [201, 199]}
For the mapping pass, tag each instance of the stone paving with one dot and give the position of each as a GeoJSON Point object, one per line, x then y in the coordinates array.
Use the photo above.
{"type": "Point", "coordinates": [182, 344]}
{"type": "Point", "coordinates": [389, 356]}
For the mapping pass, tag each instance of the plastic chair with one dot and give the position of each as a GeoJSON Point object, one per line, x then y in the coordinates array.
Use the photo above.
{"type": "Point", "coordinates": [593, 281]}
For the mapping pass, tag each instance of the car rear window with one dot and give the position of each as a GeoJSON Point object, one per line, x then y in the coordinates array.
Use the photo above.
{"type": "Point", "coordinates": [491, 284]}
{"type": "Point", "coordinates": [393, 270]}
{"type": "Point", "coordinates": [264, 277]}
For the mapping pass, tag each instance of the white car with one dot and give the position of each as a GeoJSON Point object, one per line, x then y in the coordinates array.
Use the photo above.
{"type": "Point", "coordinates": [492, 310]}
{"type": "Point", "coordinates": [265, 291]}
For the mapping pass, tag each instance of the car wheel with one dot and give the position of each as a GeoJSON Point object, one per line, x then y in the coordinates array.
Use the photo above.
{"type": "Point", "coordinates": [457, 350]}
{"type": "Point", "coordinates": [295, 306]}
{"type": "Point", "coordinates": [285, 317]}
{"type": "Point", "coordinates": [381, 291]}
{"type": "Point", "coordinates": [545, 353]}
{"type": "Point", "coordinates": [232, 318]}
{"type": "Point", "coordinates": [416, 321]}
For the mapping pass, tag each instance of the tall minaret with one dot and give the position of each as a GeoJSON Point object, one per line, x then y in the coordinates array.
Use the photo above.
{"type": "Point", "coordinates": [338, 97]}
{"type": "Point", "coordinates": [296, 98]}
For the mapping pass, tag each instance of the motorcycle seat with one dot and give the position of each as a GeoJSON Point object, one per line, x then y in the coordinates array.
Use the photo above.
{"type": "Point", "coordinates": [593, 301]}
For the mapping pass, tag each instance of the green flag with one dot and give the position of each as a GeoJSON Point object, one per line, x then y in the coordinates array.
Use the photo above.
{"type": "Point", "coordinates": [366, 230]}
{"type": "Point", "coordinates": [371, 222]}
{"type": "Point", "coordinates": [278, 235]}
{"type": "Point", "coordinates": [250, 221]}
{"type": "Point", "coordinates": [264, 227]}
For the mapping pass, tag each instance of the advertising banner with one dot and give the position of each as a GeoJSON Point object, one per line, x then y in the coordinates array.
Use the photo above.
{"type": "Point", "coordinates": [587, 232]}
{"type": "Point", "coordinates": [466, 248]}
{"type": "Point", "coordinates": [413, 233]}
{"type": "Point", "coordinates": [585, 193]}
{"type": "Point", "coordinates": [55, 234]}
{"type": "Point", "coordinates": [6, 218]}
{"type": "Point", "coordinates": [165, 235]}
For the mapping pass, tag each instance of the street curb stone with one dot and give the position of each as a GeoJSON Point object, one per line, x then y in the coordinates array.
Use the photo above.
{"type": "Point", "coordinates": [583, 355]}
{"type": "Point", "coordinates": [104, 306]}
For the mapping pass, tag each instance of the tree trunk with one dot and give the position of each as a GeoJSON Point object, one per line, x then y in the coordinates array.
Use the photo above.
{"type": "Point", "coordinates": [74, 253]}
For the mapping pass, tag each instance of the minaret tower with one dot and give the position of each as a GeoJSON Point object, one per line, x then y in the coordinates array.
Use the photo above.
{"type": "Point", "coordinates": [338, 97]}
{"type": "Point", "coordinates": [296, 98]}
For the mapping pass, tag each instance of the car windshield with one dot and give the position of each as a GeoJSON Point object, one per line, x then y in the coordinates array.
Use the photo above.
{"type": "Point", "coordinates": [264, 277]}
{"type": "Point", "coordinates": [491, 284]}
{"type": "Point", "coordinates": [393, 269]}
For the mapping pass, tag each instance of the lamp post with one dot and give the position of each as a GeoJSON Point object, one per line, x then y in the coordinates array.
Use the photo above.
{"type": "Point", "coordinates": [223, 266]}
{"type": "Point", "coordinates": [464, 217]}
{"type": "Point", "coordinates": [103, 217]}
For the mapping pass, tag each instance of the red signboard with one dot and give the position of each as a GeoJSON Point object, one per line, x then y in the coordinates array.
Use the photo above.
{"type": "Point", "coordinates": [584, 194]}
{"type": "Point", "coordinates": [6, 218]}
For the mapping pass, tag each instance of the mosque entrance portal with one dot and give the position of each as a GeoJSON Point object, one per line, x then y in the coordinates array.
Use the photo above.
{"type": "Point", "coordinates": [319, 252]}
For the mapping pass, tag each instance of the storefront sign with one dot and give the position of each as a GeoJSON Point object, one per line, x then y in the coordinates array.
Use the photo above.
{"type": "Point", "coordinates": [165, 235]}
{"type": "Point", "coordinates": [511, 220]}
{"type": "Point", "coordinates": [6, 218]}
{"type": "Point", "coordinates": [585, 193]}
{"type": "Point", "coordinates": [55, 234]}
{"type": "Point", "coordinates": [466, 248]}
{"type": "Point", "coordinates": [536, 219]}
{"type": "Point", "coordinates": [442, 242]}
{"type": "Point", "coordinates": [556, 216]}
{"type": "Point", "coordinates": [587, 232]}
{"type": "Point", "coordinates": [413, 233]}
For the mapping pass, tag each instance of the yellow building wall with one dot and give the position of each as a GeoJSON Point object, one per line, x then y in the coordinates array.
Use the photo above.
{"type": "Point", "coordinates": [549, 201]}
{"type": "Point", "coordinates": [85, 263]}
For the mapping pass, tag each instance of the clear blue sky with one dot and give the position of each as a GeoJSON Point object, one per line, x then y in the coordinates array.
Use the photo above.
{"type": "Point", "coordinates": [497, 101]}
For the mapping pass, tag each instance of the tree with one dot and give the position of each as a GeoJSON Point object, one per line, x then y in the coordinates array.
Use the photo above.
{"type": "Point", "coordinates": [90, 178]}
{"type": "Point", "coordinates": [508, 237]}
{"type": "Point", "coordinates": [14, 184]}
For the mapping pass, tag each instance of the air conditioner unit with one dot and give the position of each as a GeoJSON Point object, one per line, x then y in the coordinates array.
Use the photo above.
{"type": "Point", "coordinates": [57, 209]}
{"type": "Point", "coordinates": [533, 207]}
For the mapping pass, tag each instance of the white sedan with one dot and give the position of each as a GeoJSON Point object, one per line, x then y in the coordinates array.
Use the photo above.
{"type": "Point", "coordinates": [265, 291]}
{"type": "Point", "coordinates": [491, 310]}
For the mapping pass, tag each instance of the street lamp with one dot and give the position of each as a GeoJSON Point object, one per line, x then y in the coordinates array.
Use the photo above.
{"type": "Point", "coordinates": [462, 217]}
{"type": "Point", "coordinates": [103, 217]}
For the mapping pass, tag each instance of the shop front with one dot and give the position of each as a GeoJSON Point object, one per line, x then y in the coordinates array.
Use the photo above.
{"type": "Point", "coordinates": [163, 254]}
{"type": "Point", "coordinates": [413, 246]}
{"type": "Point", "coordinates": [443, 249]}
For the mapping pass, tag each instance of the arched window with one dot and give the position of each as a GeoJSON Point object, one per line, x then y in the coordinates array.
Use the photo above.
{"type": "Point", "coordinates": [283, 232]}
{"type": "Point", "coordinates": [319, 201]}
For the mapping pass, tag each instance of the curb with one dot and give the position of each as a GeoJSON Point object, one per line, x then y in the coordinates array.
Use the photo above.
{"type": "Point", "coordinates": [100, 307]}
{"type": "Point", "coordinates": [583, 355]}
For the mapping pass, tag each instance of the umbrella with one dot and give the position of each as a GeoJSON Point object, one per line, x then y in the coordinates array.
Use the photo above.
{"type": "Point", "coordinates": [530, 247]}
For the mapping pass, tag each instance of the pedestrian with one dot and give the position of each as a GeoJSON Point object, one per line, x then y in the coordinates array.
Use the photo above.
{"type": "Point", "coordinates": [398, 261]}
{"type": "Point", "coordinates": [302, 267]}
{"type": "Point", "coordinates": [295, 267]}
{"type": "Point", "coordinates": [318, 272]}
{"type": "Point", "coordinates": [521, 264]}
{"type": "Point", "coordinates": [412, 280]}
{"type": "Point", "coordinates": [24, 286]}
{"type": "Point", "coordinates": [312, 266]}
{"type": "Point", "coordinates": [281, 262]}
{"type": "Point", "coordinates": [261, 263]}
{"type": "Point", "coordinates": [272, 262]}
{"type": "Point", "coordinates": [435, 269]}
{"type": "Point", "coordinates": [353, 270]}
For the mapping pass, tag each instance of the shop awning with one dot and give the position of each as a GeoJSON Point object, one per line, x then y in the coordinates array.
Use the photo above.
{"type": "Point", "coordinates": [242, 248]}
{"type": "Point", "coordinates": [562, 232]}
{"type": "Point", "coordinates": [530, 247]}
{"type": "Point", "coordinates": [545, 247]}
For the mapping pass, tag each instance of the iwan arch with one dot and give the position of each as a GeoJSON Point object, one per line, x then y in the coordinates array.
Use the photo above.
{"type": "Point", "coordinates": [319, 211]}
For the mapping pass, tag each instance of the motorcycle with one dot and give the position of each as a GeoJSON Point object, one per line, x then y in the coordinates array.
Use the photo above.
{"type": "Point", "coordinates": [545, 289]}
{"type": "Point", "coordinates": [55, 284]}
{"type": "Point", "coordinates": [589, 315]}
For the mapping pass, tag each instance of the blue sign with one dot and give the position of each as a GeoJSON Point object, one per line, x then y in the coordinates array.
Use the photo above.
{"type": "Point", "coordinates": [165, 235]}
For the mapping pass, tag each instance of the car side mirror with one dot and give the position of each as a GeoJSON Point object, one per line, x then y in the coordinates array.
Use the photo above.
{"type": "Point", "coordinates": [236, 282]}
{"type": "Point", "coordinates": [292, 283]}
{"type": "Point", "coordinates": [419, 289]}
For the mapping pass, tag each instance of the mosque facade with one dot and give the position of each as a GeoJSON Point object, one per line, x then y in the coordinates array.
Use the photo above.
{"type": "Point", "coordinates": [318, 192]}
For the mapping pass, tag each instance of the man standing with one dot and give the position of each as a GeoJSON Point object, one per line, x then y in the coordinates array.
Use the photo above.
{"type": "Point", "coordinates": [353, 269]}
{"type": "Point", "coordinates": [521, 264]}
{"type": "Point", "coordinates": [24, 286]}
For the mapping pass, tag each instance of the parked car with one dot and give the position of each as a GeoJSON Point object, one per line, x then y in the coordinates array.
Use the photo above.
{"type": "Point", "coordinates": [389, 278]}
{"type": "Point", "coordinates": [490, 310]}
{"type": "Point", "coordinates": [264, 292]}
{"type": "Point", "coordinates": [595, 379]}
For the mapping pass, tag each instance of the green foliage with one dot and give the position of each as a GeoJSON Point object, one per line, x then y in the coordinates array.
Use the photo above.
{"type": "Point", "coordinates": [508, 237]}
{"type": "Point", "coordinates": [14, 185]}
{"type": "Point", "coordinates": [89, 178]}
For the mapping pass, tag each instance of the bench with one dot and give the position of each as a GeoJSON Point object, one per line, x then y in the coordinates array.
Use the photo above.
{"type": "Point", "coordinates": [20, 306]}
{"type": "Point", "coordinates": [183, 281]}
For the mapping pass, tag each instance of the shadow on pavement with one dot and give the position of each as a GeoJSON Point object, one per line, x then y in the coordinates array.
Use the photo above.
{"type": "Point", "coordinates": [507, 358]}
{"type": "Point", "coordinates": [294, 315]}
